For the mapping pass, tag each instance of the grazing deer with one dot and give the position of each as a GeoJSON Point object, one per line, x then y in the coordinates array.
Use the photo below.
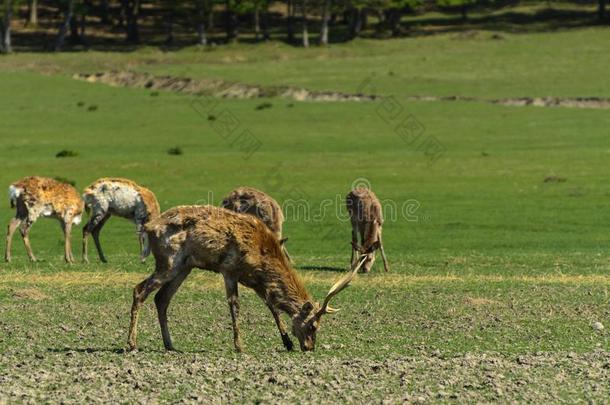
{"type": "Point", "coordinates": [365, 214]}
{"type": "Point", "coordinates": [33, 197]}
{"type": "Point", "coordinates": [121, 197]}
{"type": "Point", "coordinates": [248, 200]}
{"type": "Point", "coordinates": [244, 251]}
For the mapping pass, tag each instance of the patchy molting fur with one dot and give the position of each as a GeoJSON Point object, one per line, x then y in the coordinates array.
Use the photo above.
{"type": "Point", "coordinates": [243, 250]}
{"type": "Point", "coordinates": [121, 197]}
{"type": "Point", "coordinates": [35, 197]}
{"type": "Point", "coordinates": [366, 218]}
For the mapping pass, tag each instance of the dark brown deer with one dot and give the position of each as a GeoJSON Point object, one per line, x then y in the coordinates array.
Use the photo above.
{"type": "Point", "coordinates": [248, 200]}
{"type": "Point", "coordinates": [244, 251]}
{"type": "Point", "coordinates": [366, 217]}
{"type": "Point", "coordinates": [35, 197]}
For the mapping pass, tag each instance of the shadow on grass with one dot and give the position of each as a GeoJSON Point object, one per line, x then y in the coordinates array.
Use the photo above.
{"type": "Point", "coordinates": [322, 268]}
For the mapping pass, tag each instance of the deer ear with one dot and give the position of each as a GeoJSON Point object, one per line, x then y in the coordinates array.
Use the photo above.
{"type": "Point", "coordinates": [283, 241]}
{"type": "Point", "coordinates": [307, 308]}
{"type": "Point", "coordinates": [375, 246]}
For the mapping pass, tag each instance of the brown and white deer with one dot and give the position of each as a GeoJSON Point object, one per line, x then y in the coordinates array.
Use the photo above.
{"type": "Point", "coordinates": [248, 200]}
{"type": "Point", "coordinates": [121, 197]}
{"type": "Point", "coordinates": [366, 217]}
{"type": "Point", "coordinates": [244, 251]}
{"type": "Point", "coordinates": [35, 197]}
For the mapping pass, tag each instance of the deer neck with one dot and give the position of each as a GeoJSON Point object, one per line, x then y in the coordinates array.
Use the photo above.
{"type": "Point", "coordinates": [285, 290]}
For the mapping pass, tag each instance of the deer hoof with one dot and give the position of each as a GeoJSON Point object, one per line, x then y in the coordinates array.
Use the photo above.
{"type": "Point", "coordinates": [287, 342]}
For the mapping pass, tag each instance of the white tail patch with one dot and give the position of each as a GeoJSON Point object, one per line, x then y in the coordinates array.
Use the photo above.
{"type": "Point", "coordinates": [13, 194]}
{"type": "Point", "coordinates": [77, 219]}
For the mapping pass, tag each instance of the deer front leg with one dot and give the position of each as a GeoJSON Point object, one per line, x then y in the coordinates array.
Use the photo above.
{"type": "Point", "coordinates": [162, 300]}
{"type": "Point", "coordinates": [385, 259]}
{"type": "Point", "coordinates": [233, 300]}
{"type": "Point", "coordinates": [282, 328]}
{"type": "Point", "coordinates": [140, 293]}
{"type": "Point", "coordinates": [66, 226]}
{"type": "Point", "coordinates": [354, 244]}
{"type": "Point", "coordinates": [12, 227]}
{"type": "Point", "coordinates": [25, 234]}
{"type": "Point", "coordinates": [143, 240]}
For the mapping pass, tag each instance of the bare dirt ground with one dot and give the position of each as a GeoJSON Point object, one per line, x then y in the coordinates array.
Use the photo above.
{"type": "Point", "coordinates": [224, 89]}
{"type": "Point", "coordinates": [98, 376]}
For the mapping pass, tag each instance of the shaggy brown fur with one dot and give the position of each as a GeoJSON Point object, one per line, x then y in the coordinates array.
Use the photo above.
{"type": "Point", "coordinates": [121, 197]}
{"type": "Point", "coordinates": [244, 251]}
{"type": "Point", "coordinates": [248, 200]}
{"type": "Point", "coordinates": [40, 196]}
{"type": "Point", "coordinates": [366, 217]}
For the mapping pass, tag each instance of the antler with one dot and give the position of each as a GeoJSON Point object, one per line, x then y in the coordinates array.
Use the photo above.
{"type": "Point", "coordinates": [338, 287]}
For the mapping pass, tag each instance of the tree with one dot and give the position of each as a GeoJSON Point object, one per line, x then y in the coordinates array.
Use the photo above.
{"type": "Point", "coordinates": [131, 12]}
{"type": "Point", "coordinates": [462, 5]}
{"type": "Point", "coordinates": [324, 23]}
{"type": "Point", "coordinates": [601, 10]}
{"type": "Point", "coordinates": [6, 45]}
{"type": "Point", "coordinates": [33, 12]}
{"type": "Point", "coordinates": [304, 23]}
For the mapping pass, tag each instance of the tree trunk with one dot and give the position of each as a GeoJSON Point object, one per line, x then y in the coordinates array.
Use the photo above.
{"type": "Point", "coordinates": [464, 11]}
{"type": "Point", "coordinates": [265, 23]}
{"type": "Point", "coordinates": [66, 25]}
{"type": "Point", "coordinates": [231, 23]}
{"type": "Point", "coordinates": [257, 24]}
{"type": "Point", "coordinates": [304, 22]}
{"type": "Point", "coordinates": [290, 20]}
{"type": "Point", "coordinates": [601, 10]}
{"type": "Point", "coordinates": [355, 24]}
{"type": "Point", "coordinates": [5, 34]}
{"type": "Point", "coordinates": [325, 18]}
{"type": "Point", "coordinates": [33, 12]}
{"type": "Point", "coordinates": [201, 34]}
{"type": "Point", "coordinates": [105, 12]}
{"type": "Point", "coordinates": [169, 20]}
{"type": "Point", "coordinates": [393, 19]}
{"type": "Point", "coordinates": [132, 12]}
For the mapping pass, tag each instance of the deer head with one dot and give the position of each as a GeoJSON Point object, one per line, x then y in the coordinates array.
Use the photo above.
{"type": "Point", "coordinates": [368, 253]}
{"type": "Point", "coordinates": [306, 323]}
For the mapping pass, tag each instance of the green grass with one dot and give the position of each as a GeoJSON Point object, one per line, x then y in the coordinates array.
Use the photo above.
{"type": "Point", "coordinates": [496, 263]}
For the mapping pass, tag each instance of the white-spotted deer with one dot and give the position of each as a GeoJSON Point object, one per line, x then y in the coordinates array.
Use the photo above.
{"type": "Point", "coordinates": [248, 200]}
{"type": "Point", "coordinates": [121, 197]}
{"type": "Point", "coordinates": [244, 251]}
{"type": "Point", "coordinates": [35, 197]}
{"type": "Point", "coordinates": [366, 217]}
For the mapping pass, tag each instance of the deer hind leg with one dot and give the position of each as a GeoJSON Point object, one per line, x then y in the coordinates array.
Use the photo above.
{"type": "Point", "coordinates": [25, 234]}
{"type": "Point", "coordinates": [12, 227]}
{"type": "Point", "coordinates": [282, 328]}
{"type": "Point", "coordinates": [233, 300]}
{"type": "Point", "coordinates": [162, 300]}
{"type": "Point", "coordinates": [140, 293]}
{"type": "Point", "coordinates": [95, 229]}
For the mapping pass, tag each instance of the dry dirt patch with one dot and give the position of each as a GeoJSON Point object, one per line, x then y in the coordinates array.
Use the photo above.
{"type": "Point", "coordinates": [224, 89]}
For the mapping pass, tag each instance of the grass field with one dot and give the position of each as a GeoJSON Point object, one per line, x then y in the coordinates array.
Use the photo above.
{"type": "Point", "coordinates": [496, 278]}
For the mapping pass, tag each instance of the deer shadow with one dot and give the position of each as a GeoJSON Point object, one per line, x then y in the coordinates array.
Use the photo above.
{"type": "Point", "coordinates": [323, 268]}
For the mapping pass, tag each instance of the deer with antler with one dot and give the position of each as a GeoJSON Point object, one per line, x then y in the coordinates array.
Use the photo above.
{"type": "Point", "coordinates": [248, 200]}
{"type": "Point", "coordinates": [244, 251]}
{"type": "Point", "coordinates": [366, 217]}
{"type": "Point", "coordinates": [123, 198]}
{"type": "Point", "coordinates": [34, 197]}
